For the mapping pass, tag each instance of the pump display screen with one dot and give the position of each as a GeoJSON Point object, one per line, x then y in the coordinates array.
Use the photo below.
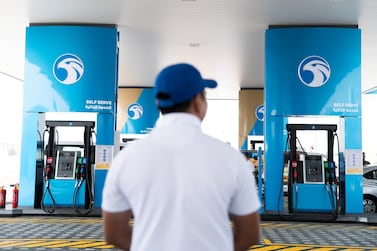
{"type": "Point", "coordinates": [66, 165]}
{"type": "Point", "coordinates": [314, 171]}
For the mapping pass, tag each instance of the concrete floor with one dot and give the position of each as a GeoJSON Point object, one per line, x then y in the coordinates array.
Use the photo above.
{"type": "Point", "coordinates": [46, 232]}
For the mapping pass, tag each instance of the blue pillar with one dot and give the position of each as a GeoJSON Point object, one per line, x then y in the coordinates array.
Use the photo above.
{"type": "Point", "coordinates": [29, 155]}
{"type": "Point", "coordinates": [353, 166]}
{"type": "Point", "coordinates": [308, 73]}
{"type": "Point", "coordinates": [274, 163]}
{"type": "Point", "coordinates": [68, 68]}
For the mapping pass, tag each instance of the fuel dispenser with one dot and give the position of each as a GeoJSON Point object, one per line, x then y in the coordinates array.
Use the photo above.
{"type": "Point", "coordinates": [312, 179]}
{"type": "Point", "coordinates": [68, 169]}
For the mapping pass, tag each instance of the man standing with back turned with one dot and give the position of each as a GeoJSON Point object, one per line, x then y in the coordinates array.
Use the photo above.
{"type": "Point", "coordinates": [186, 191]}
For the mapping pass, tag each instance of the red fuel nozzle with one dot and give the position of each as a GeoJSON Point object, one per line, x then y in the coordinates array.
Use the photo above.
{"type": "Point", "coordinates": [49, 160]}
{"type": "Point", "coordinates": [294, 166]}
{"type": "Point", "coordinates": [48, 170]}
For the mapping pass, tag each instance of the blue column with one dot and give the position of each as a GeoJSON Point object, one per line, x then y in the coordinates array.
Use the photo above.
{"type": "Point", "coordinates": [308, 73]}
{"type": "Point", "coordinates": [29, 142]}
{"type": "Point", "coordinates": [68, 68]}
{"type": "Point", "coordinates": [274, 163]}
{"type": "Point", "coordinates": [354, 166]}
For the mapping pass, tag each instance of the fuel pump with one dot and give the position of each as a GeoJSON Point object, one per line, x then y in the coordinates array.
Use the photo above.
{"type": "Point", "coordinates": [312, 181]}
{"type": "Point", "coordinates": [68, 170]}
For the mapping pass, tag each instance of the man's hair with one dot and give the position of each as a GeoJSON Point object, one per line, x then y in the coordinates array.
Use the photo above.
{"type": "Point", "coordinates": [181, 107]}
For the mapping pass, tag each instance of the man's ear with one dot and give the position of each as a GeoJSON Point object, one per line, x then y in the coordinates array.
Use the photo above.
{"type": "Point", "coordinates": [197, 103]}
{"type": "Point", "coordinates": [199, 106]}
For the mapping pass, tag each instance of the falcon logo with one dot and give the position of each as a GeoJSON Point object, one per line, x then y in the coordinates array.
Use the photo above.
{"type": "Point", "coordinates": [259, 112]}
{"type": "Point", "coordinates": [68, 69]}
{"type": "Point", "coordinates": [135, 111]}
{"type": "Point", "coordinates": [314, 71]}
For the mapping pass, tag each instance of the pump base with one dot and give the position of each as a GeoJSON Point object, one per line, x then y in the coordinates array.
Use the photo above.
{"type": "Point", "coordinates": [320, 217]}
{"type": "Point", "coordinates": [6, 212]}
{"type": "Point", "coordinates": [317, 217]}
{"type": "Point", "coordinates": [57, 212]}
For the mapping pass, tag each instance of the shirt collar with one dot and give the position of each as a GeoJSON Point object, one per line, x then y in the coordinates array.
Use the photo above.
{"type": "Point", "coordinates": [178, 119]}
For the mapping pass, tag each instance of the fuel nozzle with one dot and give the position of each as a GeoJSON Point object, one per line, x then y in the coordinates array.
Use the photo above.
{"type": "Point", "coordinates": [82, 168]}
{"type": "Point", "coordinates": [47, 173]}
{"type": "Point", "coordinates": [329, 171]}
{"type": "Point", "coordinates": [294, 169]}
{"type": "Point", "coordinates": [82, 172]}
{"type": "Point", "coordinates": [332, 171]}
{"type": "Point", "coordinates": [48, 168]}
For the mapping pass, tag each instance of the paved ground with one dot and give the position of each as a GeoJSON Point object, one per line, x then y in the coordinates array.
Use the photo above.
{"type": "Point", "coordinates": [85, 233]}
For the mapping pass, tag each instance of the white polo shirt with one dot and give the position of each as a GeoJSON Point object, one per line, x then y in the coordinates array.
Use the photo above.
{"type": "Point", "coordinates": [181, 186]}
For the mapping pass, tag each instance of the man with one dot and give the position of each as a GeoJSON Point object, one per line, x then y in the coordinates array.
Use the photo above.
{"type": "Point", "coordinates": [182, 187]}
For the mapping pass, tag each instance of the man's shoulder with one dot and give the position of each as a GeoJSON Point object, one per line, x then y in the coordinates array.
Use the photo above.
{"type": "Point", "coordinates": [218, 146]}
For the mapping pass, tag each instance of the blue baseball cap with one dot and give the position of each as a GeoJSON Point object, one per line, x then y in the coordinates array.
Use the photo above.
{"type": "Point", "coordinates": [179, 83]}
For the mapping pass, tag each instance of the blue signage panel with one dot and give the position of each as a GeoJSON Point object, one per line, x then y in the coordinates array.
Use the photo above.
{"type": "Point", "coordinates": [141, 110]}
{"type": "Point", "coordinates": [251, 115]}
{"type": "Point", "coordinates": [258, 125]}
{"type": "Point", "coordinates": [257, 129]}
{"type": "Point", "coordinates": [310, 71]}
{"type": "Point", "coordinates": [313, 71]}
{"type": "Point", "coordinates": [70, 68]}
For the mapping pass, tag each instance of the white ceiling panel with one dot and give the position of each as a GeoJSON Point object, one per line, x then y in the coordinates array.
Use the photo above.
{"type": "Point", "coordinates": [223, 38]}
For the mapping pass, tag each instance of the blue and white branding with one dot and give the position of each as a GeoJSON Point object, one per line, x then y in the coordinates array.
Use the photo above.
{"type": "Point", "coordinates": [68, 69]}
{"type": "Point", "coordinates": [135, 111]}
{"type": "Point", "coordinates": [259, 112]}
{"type": "Point", "coordinates": [314, 71]}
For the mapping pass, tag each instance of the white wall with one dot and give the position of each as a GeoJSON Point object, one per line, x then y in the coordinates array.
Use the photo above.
{"type": "Point", "coordinates": [11, 96]}
{"type": "Point", "coordinates": [221, 120]}
{"type": "Point", "coordinates": [369, 126]}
